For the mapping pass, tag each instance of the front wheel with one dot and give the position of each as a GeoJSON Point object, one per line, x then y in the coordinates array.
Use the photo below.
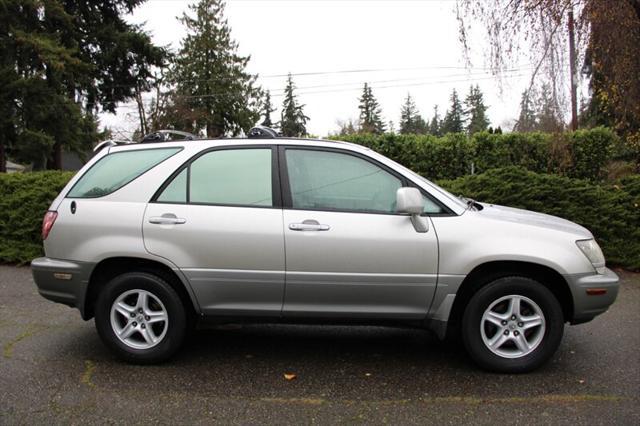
{"type": "Point", "coordinates": [512, 325]}
{"type": "Point", "coordinates": [141, 318]}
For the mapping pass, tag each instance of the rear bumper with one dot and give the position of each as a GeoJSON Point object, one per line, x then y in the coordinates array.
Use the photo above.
{"type": "Point", "coordinates": [587, 306]}
{"type": "Point", "coordinates": [62, 281]}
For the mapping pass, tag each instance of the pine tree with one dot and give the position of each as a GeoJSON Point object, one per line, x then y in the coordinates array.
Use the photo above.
{"type": "Point", "coordinates": [410, 120]}
{"type": "Point", "coordinates": [293, 121]}
{"type": "Point", "coordinates": [454, 118]}
{"type": "Point", "coordinates": [60, 62]}
{"type": "Point", "coordinates": [547, 111]}
{"type": "Point", "coordinates": [476, 111]}
{"type": "Point", "coordinates": [527, 121]}
{"type": "Point", "coordinates": [267, 109]}
{"type": "Point", "coordinates": [214, 91]}
{"type": "Point", "coordinates": [370, 112]}
{"type": "Point", "coordinates": [436, 123]}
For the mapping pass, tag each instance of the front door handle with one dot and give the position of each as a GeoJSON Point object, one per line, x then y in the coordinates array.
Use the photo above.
{"type": "Point", "coordinates": [167, 219]}
{"type": "Point", "coordinates": [308, 225]}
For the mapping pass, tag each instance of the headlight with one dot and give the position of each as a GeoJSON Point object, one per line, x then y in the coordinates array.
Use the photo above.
{"type": "Point", "coordinates": [591, 249]}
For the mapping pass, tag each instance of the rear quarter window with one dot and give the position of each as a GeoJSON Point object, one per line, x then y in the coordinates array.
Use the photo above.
{"type": "Point", "coordinates": [115, 170]}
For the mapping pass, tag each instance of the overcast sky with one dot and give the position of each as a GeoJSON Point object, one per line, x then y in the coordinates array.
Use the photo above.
{"type": "Point", "coordinates": [397, 46]}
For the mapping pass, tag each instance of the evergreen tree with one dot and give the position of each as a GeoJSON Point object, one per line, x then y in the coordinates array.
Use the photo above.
{"type": "Point", "coordinates": [527, 121]}
{"type": "Point", "coordinates": [293, 121]}
{"type": "Point", "coordinates": [548, 113]}
{"type": "Point", "coordinates": [267, 109]}
{"type": "Point", "coordinates": [410, 119]}
{"type": "Point", "coordinates": [370, 112]}
{"type": "Point", "coordinates": [60, 62]}
{"type": "Point", "coordinates": [214, 92]}
{"type": "Point", "coordinates": [436, 123]}
{"type": "Point", "coordinates": [476, 111]}
{"type": "Point", "coordinates": [454, 118]}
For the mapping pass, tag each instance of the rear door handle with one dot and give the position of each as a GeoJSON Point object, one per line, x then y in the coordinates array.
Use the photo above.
{"type": "Point", "coordinates": [309, 225]}
{"type": "Point", "coordinates": [167, 219]}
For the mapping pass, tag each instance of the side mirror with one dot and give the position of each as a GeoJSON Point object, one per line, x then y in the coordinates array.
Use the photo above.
{"type": "Point", "coordinates": [410, 201]}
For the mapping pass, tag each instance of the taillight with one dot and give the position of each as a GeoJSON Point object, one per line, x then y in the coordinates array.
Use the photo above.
{"type": "Point", "coordinates": [47, 223]}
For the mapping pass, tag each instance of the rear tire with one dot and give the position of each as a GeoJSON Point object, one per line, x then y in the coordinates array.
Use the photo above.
{"type": "Point", "coordinates": [512, 325]}
{"type": "Point", "coordinates": [141, 318]}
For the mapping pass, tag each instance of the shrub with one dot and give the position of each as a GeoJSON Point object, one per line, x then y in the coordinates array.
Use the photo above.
{"type": "Point", "coordinates": [24, 199]}
{"type": "Point", "coordinates": [591, 150]}
{"type": "Point", "coordinates": [584, 154]}
{"type": "Point", "coordinates": [611, 212]}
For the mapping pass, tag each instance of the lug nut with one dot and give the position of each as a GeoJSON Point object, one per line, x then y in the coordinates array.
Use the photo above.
{"type": "Point", "coordinates": [504, 323]}
{"type": "Point", "coordinates": [506, 332]}
{"type": "Point", "coordinates": [135, 324]}
{"type": "Point", "coordinates": [520, 324]}
{"type": "Point", "coordinates": [140, 310]}
{"type": "Point", "coordinates": [513, 317]}
{"type": "Point", "coordinates": [132, 315]}
{"type": "Point", "coordinates": [517, 333]}
{"type": "Point", "coordinates": [143, 326]}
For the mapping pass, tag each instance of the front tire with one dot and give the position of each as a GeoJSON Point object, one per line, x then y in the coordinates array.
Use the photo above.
{"type": "Point", "coordinates": [512, 325]}
{"type": "Point", "coordinates": [141, 318]}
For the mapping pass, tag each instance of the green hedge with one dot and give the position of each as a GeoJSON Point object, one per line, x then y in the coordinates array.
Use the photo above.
{"type": "Point", "coordinates": [582, 154]}
{"type": "Point", "coordinates": [24, 199]}
{"type": "Point", "coordinates": [611, 212]}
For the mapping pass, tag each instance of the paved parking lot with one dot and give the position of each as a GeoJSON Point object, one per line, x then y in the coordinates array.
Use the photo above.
{"type": "Point", "coordinates": [54, 369]}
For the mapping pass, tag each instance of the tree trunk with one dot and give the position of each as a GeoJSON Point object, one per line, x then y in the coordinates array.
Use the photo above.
{"type": "Point", "coordinates": [3, 159]}
{"type": "Point", "coordinates": [57, 156]}
{"type": "Point", "coordinates": [574, 76]}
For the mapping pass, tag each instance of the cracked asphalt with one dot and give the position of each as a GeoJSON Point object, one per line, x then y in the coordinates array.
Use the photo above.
{"type": "Point", "coordinates": [54, 369]}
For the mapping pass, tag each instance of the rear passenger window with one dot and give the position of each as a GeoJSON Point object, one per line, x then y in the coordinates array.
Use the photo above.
{"type": "Point", "coordinates": [113, 171]}
{"type": "Point", "coordinates": [228, 177]}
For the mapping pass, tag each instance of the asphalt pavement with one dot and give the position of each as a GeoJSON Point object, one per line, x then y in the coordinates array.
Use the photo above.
{"type": "Point", "coordinates": [54, 369]}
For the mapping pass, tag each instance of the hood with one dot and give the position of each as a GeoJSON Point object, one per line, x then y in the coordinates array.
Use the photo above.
{"type": "Point", "coordinates": [526, 217]}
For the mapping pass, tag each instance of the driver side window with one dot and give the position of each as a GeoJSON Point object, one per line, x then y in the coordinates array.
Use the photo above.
{"type": "Point", "coordinates": [327, 180]}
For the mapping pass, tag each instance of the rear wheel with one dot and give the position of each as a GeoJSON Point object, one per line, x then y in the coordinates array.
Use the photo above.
{"type": "Point", "coordinates": [512, 325]}
{"type": "Point", "coordinates": [140, 317]}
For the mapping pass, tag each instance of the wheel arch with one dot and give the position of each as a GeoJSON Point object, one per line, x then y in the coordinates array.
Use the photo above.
{"type": "Point", "coordinates": [109, 268]}
{"type": "Point", "coordinates": [487, 272]}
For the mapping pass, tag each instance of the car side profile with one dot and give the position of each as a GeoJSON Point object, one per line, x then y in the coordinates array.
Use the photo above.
{"type": "Point", "coordinates": [152, 239]}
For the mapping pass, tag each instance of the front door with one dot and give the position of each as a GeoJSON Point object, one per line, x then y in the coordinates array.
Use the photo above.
{"type": "Point", "coordinates": [348, 254]}
{"type": "Point", "coordinates": [220, 221]}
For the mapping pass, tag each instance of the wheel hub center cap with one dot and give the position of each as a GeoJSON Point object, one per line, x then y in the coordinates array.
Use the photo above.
{"type": "Point", "coordinates": [512, 326]}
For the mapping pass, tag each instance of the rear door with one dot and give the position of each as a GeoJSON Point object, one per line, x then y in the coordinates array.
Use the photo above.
{"type": "Point", "coordinates": [219, 219]}
{"type": "Point", "coordinates": [348, 254]}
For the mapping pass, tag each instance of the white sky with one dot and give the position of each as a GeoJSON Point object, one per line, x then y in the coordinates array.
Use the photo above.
{"type": "Point", "coordinates": [415, 42]}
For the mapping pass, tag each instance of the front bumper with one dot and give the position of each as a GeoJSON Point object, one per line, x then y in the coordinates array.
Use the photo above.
{"type": "Point", "coordinates": [586, 306]}
{"type": "Point", "coordinates": [62, 281]}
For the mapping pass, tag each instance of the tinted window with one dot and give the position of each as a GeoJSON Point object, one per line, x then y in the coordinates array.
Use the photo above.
{"type": "Point", "coordinates": [232, 176]}
{"type": "Point", "coordinates": [176, 191]}
{"type": "Point", "coordinates": [334, 181]}
{"type": "Point", "coordinates": [113, 171]}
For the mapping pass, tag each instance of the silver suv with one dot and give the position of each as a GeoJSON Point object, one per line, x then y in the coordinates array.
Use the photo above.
{"type": "Point", "coordinates": [152, 239]}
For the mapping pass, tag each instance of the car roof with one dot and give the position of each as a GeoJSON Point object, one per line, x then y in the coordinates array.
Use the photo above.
{"type": "Point", "coordinates": [198, 144]}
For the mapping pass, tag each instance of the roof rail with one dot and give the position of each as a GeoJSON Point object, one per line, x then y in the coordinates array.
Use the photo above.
{"type": "Point", "coordinates": [262, 132]}
{"type": "Point", "coordinates": [108, 143]}
{"type": "Point", "coordinates": [165, 136]}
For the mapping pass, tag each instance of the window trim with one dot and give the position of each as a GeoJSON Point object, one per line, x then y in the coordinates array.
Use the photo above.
{"type": "Point", "coordinates": [276, 192]}
{"type": "Point", "coordinates": [287, 201]}
{"type": "Point", "coordinates": [177, 148]}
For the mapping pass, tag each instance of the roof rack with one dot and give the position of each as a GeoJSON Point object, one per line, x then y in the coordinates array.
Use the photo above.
{"type": "Point", "coordinates": [165, 136]}
{"type": "Point", "coordinates": [108, 143]}
{"type": "Point", "coordinates": [262, 132]}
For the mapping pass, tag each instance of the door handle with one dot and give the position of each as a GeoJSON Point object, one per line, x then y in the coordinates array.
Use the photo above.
{"type": "Point", "coordinates": [308, 225]}
{"type": "Point", "coordinates": [167, 219]}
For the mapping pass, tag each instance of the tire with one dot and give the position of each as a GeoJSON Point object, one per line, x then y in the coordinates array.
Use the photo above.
{"type": "Point", "coordinates": [146, 337]}
{"type": "Point", "coordinates": [519, 345]}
